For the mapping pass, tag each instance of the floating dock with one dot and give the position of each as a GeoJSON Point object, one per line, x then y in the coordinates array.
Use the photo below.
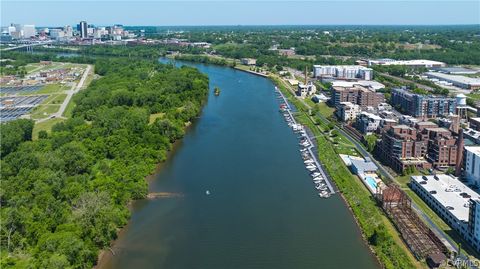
{"type": "Point", "coordinates": [311, 147]}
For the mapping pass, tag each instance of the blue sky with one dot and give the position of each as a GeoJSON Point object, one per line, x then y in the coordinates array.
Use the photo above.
{"type": "Point", "coordinates": [55, 13]}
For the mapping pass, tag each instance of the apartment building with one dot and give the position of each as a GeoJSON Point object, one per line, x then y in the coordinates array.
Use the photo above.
{"type": "Point", "coordinates": [399, 148]}
{"type": "Point", "coordinates": [346, 111]}
{"type": "Point", "coordinates": [442, 147]}
{"type": "Point", "coordinates": [367, 123]}
{"type": "Point", "coordinates": [356, 95]}
{"type": "Point", "coordinates": [472, 164]}
{"type": "Point", "coordinates": [343, 71]}
{"type": "Point", "coordinates": [422, 106]}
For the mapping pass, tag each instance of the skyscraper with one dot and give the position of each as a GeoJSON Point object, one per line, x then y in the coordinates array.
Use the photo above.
{"type": "Point", "coordinates": [83, 29]}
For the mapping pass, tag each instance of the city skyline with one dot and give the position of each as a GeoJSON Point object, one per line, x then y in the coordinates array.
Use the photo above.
{"type": "Point", "coordinates": [211, 13]}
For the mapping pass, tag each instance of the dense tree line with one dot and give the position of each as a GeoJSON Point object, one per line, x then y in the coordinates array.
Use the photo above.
{"type": "Point", "coordinates": [64, 196]}
{"type": "Point", "coordinates": [451, 44]}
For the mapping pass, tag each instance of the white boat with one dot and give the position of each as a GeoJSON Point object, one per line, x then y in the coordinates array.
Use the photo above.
{"type": "Point", "coordinates": [308, 161]}
{"type": "Point", "coordinates": [311, 169]}
{"type": "Point", "coordinates": [207, 192]}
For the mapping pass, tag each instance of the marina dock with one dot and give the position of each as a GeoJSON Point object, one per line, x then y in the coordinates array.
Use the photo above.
{"type": "Point", "coordinates": [309, 149]}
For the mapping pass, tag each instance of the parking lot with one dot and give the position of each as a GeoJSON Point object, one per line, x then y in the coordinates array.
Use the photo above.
{"type": "Point", "coordinates": [20, 89]}
{"type": "Point", "coordinates": [14, 107]}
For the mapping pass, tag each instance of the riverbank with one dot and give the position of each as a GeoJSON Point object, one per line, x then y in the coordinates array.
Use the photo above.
{"type": "Point", "coordinates": [369, 217]}
{"type": "Point", "coordinates": [248, 191]}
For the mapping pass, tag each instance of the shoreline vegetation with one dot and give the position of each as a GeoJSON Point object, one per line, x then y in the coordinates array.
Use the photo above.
{"type": "Point", "coordinates": [377, 231]}
{"type": "Point", "coordinates": [91, 166]}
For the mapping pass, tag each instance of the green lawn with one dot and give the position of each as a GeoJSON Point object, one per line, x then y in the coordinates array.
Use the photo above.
{"type": "Point", "coordinates": [325, 110]}
{"type": "Point", "coordinates": [31, 67]}
{"type": "Point", "coordinates": [44, 111]}
{"type": "Point", "coordinates": [153, 117]}
{"type": "Point", "coordinates": [45, 126]}
{"type": "Point", "coordinates": [69, 109]}
{"type": "Point", "coordinates": [474, 96]}
{"type": "Point", "coordinates": [52, 88]}
{"type": "Point", "coordinates": [58, 99]}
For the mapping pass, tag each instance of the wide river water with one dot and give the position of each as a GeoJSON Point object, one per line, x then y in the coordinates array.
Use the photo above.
{"type": "Point", "coordinates": [262, 211]}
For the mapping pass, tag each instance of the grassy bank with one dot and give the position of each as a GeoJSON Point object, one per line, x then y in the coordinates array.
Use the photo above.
{"type": "Point", "coordinates": [377, 229]}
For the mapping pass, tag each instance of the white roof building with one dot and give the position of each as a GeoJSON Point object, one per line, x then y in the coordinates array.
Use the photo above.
{"type": "Point", "coordinates": [459, 81]}
{"type": "Point", "coordinates": [472, 164]}
{"type": "Point", "coordinates": [371, 84]}
{"type": "Point", "coordinates": [411, 63]}
{"type": "Point", "coordinates": [453, 201]}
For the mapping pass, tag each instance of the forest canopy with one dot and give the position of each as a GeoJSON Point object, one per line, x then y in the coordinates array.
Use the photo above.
{"type": "Point", "coordinates": [64, 196]}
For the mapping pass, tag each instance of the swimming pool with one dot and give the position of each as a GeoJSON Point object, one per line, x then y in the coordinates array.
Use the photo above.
{"type": "Point", "coordinates": [371, 181]}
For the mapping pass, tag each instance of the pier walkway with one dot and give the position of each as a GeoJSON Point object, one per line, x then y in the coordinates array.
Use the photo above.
{"type": "Point", "coordinates": [310, 148]}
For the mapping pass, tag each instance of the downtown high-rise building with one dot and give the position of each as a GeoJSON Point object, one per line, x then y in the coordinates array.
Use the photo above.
{"type": "Point", "coordinates": [83, 29]}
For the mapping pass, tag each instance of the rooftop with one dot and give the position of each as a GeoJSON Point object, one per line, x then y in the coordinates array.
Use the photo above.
{"type": "Point", "coordinates": [354, 87]}
{"type": "Point", "coordinates": [371, 115]}
{"type": "Point", "coordinates": [426, 123]}
{"type": "Point", "coordinates": [342, 66]}
{"type": "Point", "coordinates": [365, 83]}
{"type": "Point", "coordinates": [402, 126]}
{"type": "Point", "coordinates": [461, 79]}
{"type": "Point", "coordinates": [473, 149]}
{"type": "Point", "coordinates": [363, 165]}
{"type": "Point", "coordinates": [456, 70]}
{"type": "Point", "coordinates": [446, 190]}
{"type": "Point", "coordinates": [472, 133]}
{"type": "Point", "coordinates": [438, 129]}
{"type": "Point", "coordinates": [408, 62]}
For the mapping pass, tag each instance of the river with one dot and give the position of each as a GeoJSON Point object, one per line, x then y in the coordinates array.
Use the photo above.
{"type": "Point", "coordinates": [262, 210]}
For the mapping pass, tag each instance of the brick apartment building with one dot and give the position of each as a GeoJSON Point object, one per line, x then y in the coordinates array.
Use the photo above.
{"type": "Point", "coordinates": [399, 148]}
{"type": "Point", "coordinates": [423, 146]}
{"type": "Point", "coordinates": [356, 95]}
{"type": "Point", "coordinates": [442, 147]}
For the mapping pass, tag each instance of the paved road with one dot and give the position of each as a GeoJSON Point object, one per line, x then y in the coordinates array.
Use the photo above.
{"type": "Point", "coordinates": [75, 88]}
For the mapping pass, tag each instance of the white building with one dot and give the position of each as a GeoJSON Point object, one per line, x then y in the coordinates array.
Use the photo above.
{"type": "Point", "coordinates": [56, 33]}
{"type": "Point", "coordinates": [348, 111]}
{"type": "Point", "coordinates": [410, 63]}
{"type": "Point", "coordinates": [11, 29]}
{"type": "Point", "coordinates": [459, 81]}
{"type": "Point", "coordinates": [306, 90]}
{"type": "Point", "coordinates": [472, 135]}
{"type": "Point", "coordinates": [472, 164]}
{"type": "Point", "coordinates": [367, 123]}
{"type": "Point", "coordinates": [248, 61]}
{"type": "Point", "coordinates": [29, 31]}
{"type": "Point", "coordinates": [68, 30]}
{"type": "Point", "coordinates": [454, 202]}
{"type": "Point", "coordinates": [343, 71]}
{"type": "Point", "coordinates": [370, 84]}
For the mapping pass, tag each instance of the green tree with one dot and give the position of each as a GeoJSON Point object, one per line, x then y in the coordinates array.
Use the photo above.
{"type": "Point", "coordinates": [371, 141]}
